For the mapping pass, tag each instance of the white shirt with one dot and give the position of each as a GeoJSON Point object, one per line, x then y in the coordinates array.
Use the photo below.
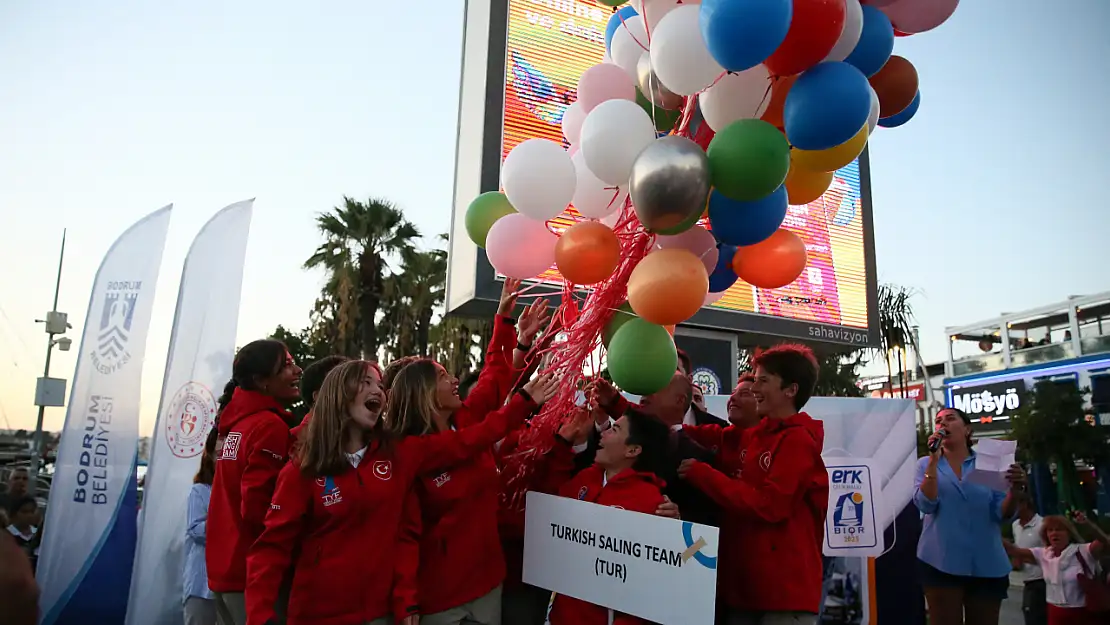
{"type": "Point", "coordinates": [356, 458]}
{"type": "Point", "coordinates": [15, 532]}
{"type": "Point", "coordinates": [1028, 537]}
{"type": "Point", "coordinates": [1061, 585]}
{"type": "Point", "coordinates": [689, 418]}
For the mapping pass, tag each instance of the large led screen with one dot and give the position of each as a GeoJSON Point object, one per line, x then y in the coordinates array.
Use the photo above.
{"type": "Point", "coordinates": [550, 43]}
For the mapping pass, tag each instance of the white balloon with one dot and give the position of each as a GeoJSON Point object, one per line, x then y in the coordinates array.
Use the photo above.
{"type": "Point", "coordinates": [593, 197]}
{"type": "Point", "coordinates": [628, 43]}
{"type": "Point", "coordinates": [744, 95]}
{"type": "Point", "coordinates": [572, 123]}
{"type": "Point", "coordinates": [873, 116]}
{"type": "Point", "coordinates": [849, 35]}
{"type": "Point", "coordinates": [678, 53]}
{"type": "Point", "coordinates": [613, 135]}
{"type": "Point", "coordinates": [538, 177]}
{"type": "Point", "coordinates": [611, 220]}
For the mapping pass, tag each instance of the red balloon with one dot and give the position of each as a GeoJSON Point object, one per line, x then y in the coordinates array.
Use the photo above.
{"type": "Point", "coordinates": [898, 33]}
{"type": "Point", "coordinates": [814, 30]}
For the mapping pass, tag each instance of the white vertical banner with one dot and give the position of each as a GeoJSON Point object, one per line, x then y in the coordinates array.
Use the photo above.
{"type": "Point", "coordinates": [84, 567]}
{"type": "Point", "coordinates": [202, 346]}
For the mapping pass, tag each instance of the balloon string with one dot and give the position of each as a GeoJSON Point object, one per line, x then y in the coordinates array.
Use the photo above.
{"type": "Point", "coordinates": [766, 94]}
{"type": "Point", "coordinates": [625, 25]}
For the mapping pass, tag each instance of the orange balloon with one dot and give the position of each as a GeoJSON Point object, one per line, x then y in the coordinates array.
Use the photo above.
{"type": "Point", "coordinates": [670, 329]}
{"type": "Point", "coordinates": [896, 86]}
{"type": "Point", "coordinates": [668, 286]}
{"type": "Point", "coordinates": [772, 263]}
{"type": "Point", "coordinates": [804, 186]}
{"type": "Point", "coordinates": [587, 252]}
{"type": "Point", "coordinates": [780, 86]}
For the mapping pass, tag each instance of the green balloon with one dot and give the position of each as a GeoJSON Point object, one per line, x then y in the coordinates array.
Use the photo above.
{"type": "Point", "coordinates": [684, 226]}
{"type": "Point", "coordinates": [483, 212]}
{"type": "Point", "coordinates": [748, 159]}
{"type": "Point", "coordinates": [664, 119]}
{"type": "Point", "coordinates": [623, 315]}
{"type": "Point", "coordinates": [642, 358]}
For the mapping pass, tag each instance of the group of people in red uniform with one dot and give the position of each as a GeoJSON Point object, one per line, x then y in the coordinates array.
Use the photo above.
{"type": "Point", "coordinates": [383, 506]}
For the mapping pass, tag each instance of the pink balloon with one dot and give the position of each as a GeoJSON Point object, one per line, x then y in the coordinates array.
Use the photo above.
{"type": "Point", "coordinates": [713, 298]}
{"type": "Point", "coordinates": [604, 81]}
{"type": "Point", "coordinates": [878, 3]}
{"type": "Point", "coordinates": [520, 247]}
{"type": "Point", "coordinates": [918, 16]}
{"type": "Point", "coordinates": [697, 240]}
{"type": "Point", "coordinates": [572, 150]}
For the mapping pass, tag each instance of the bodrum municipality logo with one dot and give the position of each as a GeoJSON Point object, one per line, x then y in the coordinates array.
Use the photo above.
{"type": "Point", "coordinates": [114, 332]}
{"type": "Point", "coordinates": [192, 412]}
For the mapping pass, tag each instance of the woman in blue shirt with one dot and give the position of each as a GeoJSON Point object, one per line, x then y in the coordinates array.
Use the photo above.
{"type": "Point", "coordinates": [963, 566]}
{"type": "Point", "coordinates": [199, 608]}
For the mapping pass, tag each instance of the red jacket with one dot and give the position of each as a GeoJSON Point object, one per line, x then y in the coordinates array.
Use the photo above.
{"type": "Point", "coordinates": [250, 451]}
{"type": "Point", "coordinates": [455, 531]}
{"type": "Point", "coordinates": [629, 490]}
{"type": "Point", "coordinates": [344, 528]}
{"type": "Point", "coordinates": [775, 495]}
{"type": "Point", "coordinates": [295, 431]}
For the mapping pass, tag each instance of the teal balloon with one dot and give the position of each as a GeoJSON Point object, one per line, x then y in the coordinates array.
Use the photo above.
{"type": "Point", "coordinates": [642, 357]}
{"type": "Point", "coordinates": [483, 212]}
{"type": "Point", "coordinates": [748, 159]}
{"type": "Point", "coordinates": [621, 316]}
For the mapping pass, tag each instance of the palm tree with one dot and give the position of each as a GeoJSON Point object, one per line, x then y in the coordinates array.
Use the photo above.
{"type": "Point", "coordinates": [425, 280]}
{"type": "Point", "coordinates": [896, 323]}
{"type": "Point", "coordinates": [358, 238]}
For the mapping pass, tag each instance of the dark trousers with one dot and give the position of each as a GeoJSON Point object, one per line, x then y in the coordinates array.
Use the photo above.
{"type": "Point", "coordinates": [524, 605]}
{"type": "Point", "coordinates": [1033, 603]}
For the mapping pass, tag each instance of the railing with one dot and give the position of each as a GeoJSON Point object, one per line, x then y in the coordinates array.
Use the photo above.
{"type": "Point", "coordinates": [1095, 344]}
{"type": "Point", "coordinates": [1041, 353]}
{"type": "Point", "coordinates": [977, 364]}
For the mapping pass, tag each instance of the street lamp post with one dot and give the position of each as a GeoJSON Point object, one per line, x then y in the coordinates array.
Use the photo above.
{"type": "Point", "coordinates": [50, 391]}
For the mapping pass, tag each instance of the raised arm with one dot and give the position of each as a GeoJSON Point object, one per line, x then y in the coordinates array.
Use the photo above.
{"type": "Point", "coordinates": [1019, 554]}
{"type": "Point", "coordinates": [271, 556]}
{"type": "Point", "coordinates": [925, 492]}
{"type": "Point", "coordinates": [777, 497]}
{"type": "Point", "coordinates": [440, 451]}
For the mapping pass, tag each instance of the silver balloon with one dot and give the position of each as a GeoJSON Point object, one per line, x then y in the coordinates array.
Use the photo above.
{"type": "Point", "coordinates": [669, 183]}
{"type": "Point", "coordinates": [654, 90]}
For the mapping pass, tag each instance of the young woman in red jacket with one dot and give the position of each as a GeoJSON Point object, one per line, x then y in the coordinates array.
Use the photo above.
{"type": "Point", "coordinates": [252, 444]}
{"type": "Point", "coordinates": [339, 503]}
{"type": "Point", "coordinates": [772, 484]}
{"type": "Point", "coordinates": [461, 567]}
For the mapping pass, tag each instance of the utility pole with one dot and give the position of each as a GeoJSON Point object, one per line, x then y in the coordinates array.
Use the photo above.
{"type": "Point", "coordinates": [50, 391]}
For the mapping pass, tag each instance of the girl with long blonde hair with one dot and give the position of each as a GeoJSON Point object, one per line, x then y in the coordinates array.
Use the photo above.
{"type": "Point", "coordinates": [461, 567]}
{"type": "Point", "coordinates": [338, 503]}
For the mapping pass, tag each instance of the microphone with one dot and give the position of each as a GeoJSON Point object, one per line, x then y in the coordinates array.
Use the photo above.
{"type": "Point", "coordinates": [935, 443]}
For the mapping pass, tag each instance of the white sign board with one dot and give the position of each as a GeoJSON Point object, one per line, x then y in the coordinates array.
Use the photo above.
{"type": "Point", "coordinates": [660, 569]}
{"type": "Point", "coordinates": [851, 525]}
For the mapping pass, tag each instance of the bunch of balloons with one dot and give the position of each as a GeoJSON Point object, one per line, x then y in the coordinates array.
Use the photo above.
{"type": "Point", "coordinates": [788, 92]}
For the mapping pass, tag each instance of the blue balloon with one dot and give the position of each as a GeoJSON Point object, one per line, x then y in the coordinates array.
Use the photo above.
{"type": "Point", "coordinates": [741, 34]}
{"type": "Point", "coordinates": [827, 106]}
{"type": "Point", "coordinates": [746, 223]}
{"type": "Point", "coordinates": [876, 42]}
{"type": "Point", "coordinates": [898, 119]}
{"type": "Point", "coordinates": [615, 23]}
{"type": "Point", "coordinates": [723, 276]}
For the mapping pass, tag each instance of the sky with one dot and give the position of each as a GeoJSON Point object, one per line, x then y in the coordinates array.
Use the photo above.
{"type": "Point", "coordinates": [112, 109]}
